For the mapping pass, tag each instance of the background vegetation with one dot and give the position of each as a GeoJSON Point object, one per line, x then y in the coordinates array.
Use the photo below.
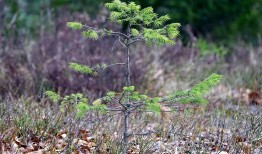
{"type": "Point", "coordinates": [217, 20]}
{"type": "Point", "coordinates": [29, 24]}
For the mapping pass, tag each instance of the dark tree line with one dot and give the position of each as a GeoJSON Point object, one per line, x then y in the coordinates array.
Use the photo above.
{"type": "Point", "coordinates": [223, 19]}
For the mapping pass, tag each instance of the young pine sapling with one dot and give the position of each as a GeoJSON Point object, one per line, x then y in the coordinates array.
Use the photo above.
{"type": "Point", "coordinates": [142, 25]}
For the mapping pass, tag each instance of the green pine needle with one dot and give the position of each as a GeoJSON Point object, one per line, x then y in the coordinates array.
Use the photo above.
{"type": "Point", "coordinates": [160, 21]}
{"type": "Point", "coordinates": [54, 97]}
{"type": "Point", "coordinates": [155, 107]}
{"type": "Point", "coordinates": [205, 86]}
{"type": "Point", "coordinates": [90, 34]}
{"type": "Point", "coordinates": [195, 94]}
{"type": "Point", "coordinates": [74, 25]}
{"type": "Point", "coordinates": [134, 32]}
{"type": "Point", "coordinates": [81, 109]}
{"type": "Point", "coordinates": [131, 13]}
{"type": "Point", "coordinates": [82, 68]}
{"type": "Point", "coordinates": [101, 108]}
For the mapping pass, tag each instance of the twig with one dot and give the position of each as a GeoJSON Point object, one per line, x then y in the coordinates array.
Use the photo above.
{"type": "Point", "coordinates": [121, 100]}
{"type": "Point", "coordinates": [111, 32]}
{"type": "Point", "coordinates": [115, 64]}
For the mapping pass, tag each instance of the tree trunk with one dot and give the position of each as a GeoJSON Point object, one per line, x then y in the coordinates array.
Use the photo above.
{"type": "Point", "coordinates": [125, 134]}
{"type": "Point", "coordinates": [127, 104]}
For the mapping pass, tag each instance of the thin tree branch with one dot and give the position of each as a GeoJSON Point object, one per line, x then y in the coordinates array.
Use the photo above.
{"type": "Point", "coordinates": [111, 32]}
{"type": "Point", "coordinates": [115, 64]}
{"type": "Point", "coordinates": [115, 110]}
{"type": "Point", "coordinates": [135, 40]}
{"type": "Point", "coordinates": [121, 41]}
{"type": "Point", "coordinates": [121, 100]}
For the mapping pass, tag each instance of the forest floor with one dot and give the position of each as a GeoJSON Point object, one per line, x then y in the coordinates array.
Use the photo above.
{"type": "Point", "coordinates": [230, 123]}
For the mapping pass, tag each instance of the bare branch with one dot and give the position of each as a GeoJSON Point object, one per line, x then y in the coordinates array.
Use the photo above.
{"type": "Point", "coordinates": [136, 40]}
{"type": "Point", "coordinates": [121, 100]}
{"type": "Point", "coordinates": [122, 42]}
{"type": "Point", "coordinates": [114, 44]}
{"type": "Point", "coordinates": [115, 64]}
{"type": "Point", "coordinates": [116, 110]}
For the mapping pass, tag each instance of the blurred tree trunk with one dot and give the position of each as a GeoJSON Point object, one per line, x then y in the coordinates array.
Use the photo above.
{"type": "Point", "coordinates": [2, 46]}
{"type": "Point", "coordinates": [1, 16]}
{"type": "Point", "coordinates": [2, 5]}
{"type": "Point", "coordinates": [1, 12]}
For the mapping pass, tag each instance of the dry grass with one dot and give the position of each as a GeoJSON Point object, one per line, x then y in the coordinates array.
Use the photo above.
{"type": "Point", "coordinates": [231, 121]}
{"type": "Point", "coordinates": [223, 125]}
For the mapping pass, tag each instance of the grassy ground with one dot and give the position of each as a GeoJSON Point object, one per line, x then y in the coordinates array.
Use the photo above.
{"type": "Point", "coordinates": [231, 122]}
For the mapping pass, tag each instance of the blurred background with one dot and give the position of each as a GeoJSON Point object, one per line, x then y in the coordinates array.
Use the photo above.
{"type": "Point", "coordinates": [216, 37]}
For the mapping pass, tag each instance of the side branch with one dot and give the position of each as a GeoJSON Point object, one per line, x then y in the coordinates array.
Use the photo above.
{"type": "Point", "coordinates": [115, 64]}
{"type": "Point", "coordinates": [136, 39]}
{"type": "Point", "coordinates": [111, 32]}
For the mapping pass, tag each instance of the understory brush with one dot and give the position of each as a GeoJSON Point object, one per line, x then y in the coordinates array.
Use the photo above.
{"type": "Point", "coordinates": [223, 125]}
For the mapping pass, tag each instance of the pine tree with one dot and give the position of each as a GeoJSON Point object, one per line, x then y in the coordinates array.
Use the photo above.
{"type": "Point", "coordinates": [143, 25]}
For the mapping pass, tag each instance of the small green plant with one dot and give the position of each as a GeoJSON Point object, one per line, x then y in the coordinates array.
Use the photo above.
{"type": "Point", "coordinates": [143, 25]}
{"type": "Point", "coordinates": [208, 48]}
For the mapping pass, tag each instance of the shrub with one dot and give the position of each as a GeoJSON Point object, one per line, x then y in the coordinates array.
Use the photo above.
{"type": "Point", "coordinates": [209, 48]}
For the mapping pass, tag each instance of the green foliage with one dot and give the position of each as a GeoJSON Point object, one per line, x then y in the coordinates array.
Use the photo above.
{"type": "Point", "coordinates": [205, 86]}
{"type": "Point", "coordinates": [100, 108]}
{"type": "Point", "coordinates": [214, 18]}
{"type": "Point", "coordinates": [172, 31]}
{"type": "Point", "coordinates": [135, 96]}
{"type": "Point", "coordinates": [109, 96]}
{"type": "Point", "coordinates": [150, 104]}
{"type": "Point", "coordinates": [76, 103]}
{"type": "Point", "coordinates": [155, 107]}
{"type": "Point", "coordinates": [92, 7]}
{"type": "Point", "coordinates": [152, 36]}
{"type": "Point", "coordinates": [195, 94]}
{"type": "Point", "coordinates": [90, 34]}
{"type": "Point", "coordinates": [98, 101]}
{"type": "Point", "coordinates": [151, 27]}
{"type": "Point", "coordinates": [193, 99]}
{"type": "Point", "coordinates": [82, 69]}
{"type": "Point", "coordinates": [53, 96]}
{"type": "Point", "coordinates": [153, 104]}
{"type": "Point", "coordinates": [223, 20]}
{"type": "Point", "coordinates": [69, 102]}
{"type": "Point", "coordinates": [101, 66]}
{"type": "Point", "coordinates": [153, 100]}
{"type": "Point", "coordinates": [209, 48]}
{"type": "Point", "coordinates": [22, 122]}
{"type": "Point", "coordinates": [74, 98]}
{"type": "Point", "coordinates": [134, 32]}
{"type": "Point", "coordinates": [82, 108]}
{"type": "Point", "coordinates": [149, 24]}
{"type": "Point", "coordinates": [129, 89]}
{"type": "Point", "coordinates": [143, 97]}
{"type": "Point", "coordinates": [74, 25]}
{"type": "Point", "coordinates": [133, 14]}
{"type": "Point", "coordinates": [26, 16]}
{"type": "Point", "coordinates": [152, 30]}
{"type": "Point", "coordinates": [161, 20]}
